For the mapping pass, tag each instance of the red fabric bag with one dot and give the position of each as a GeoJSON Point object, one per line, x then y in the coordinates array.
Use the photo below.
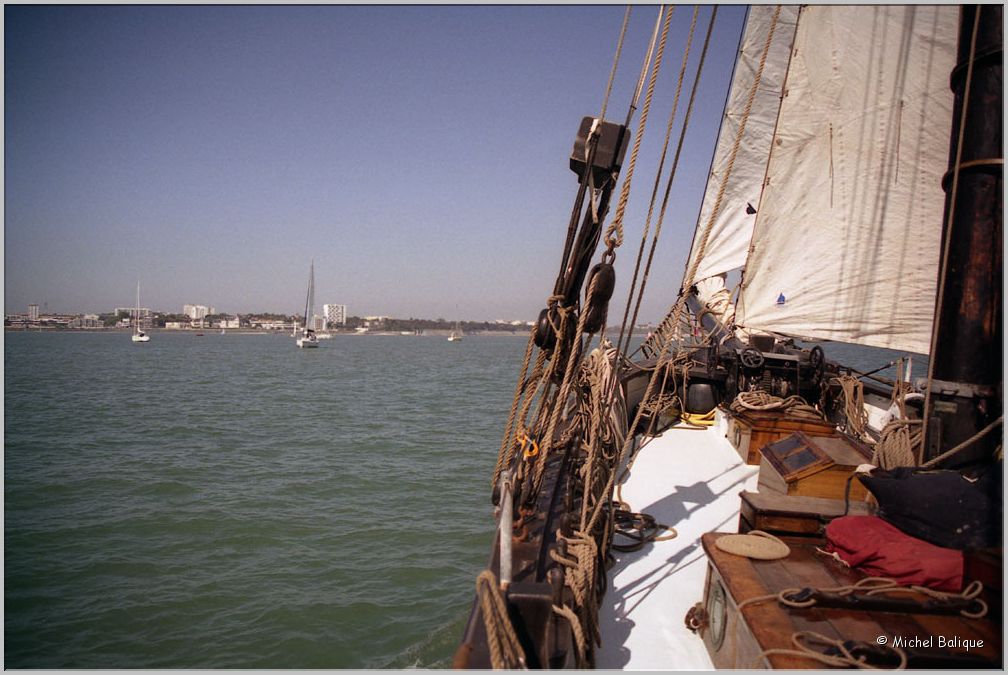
{"type": "Point", "coordinates": [873, 546]}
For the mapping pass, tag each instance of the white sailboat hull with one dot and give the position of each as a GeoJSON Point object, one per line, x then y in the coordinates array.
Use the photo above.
{"type": "Point", "coordinates": [141, 337]}
{"type": "Point", "coordinates": [307, 343]}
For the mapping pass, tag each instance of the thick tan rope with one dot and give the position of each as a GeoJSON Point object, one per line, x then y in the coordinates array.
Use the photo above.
{"type": "Point", "coordinates": [614, 233]}
{"type": "Point", "coordinates": [896, 444]}
{"type": "Point", "coordinates": [505, 650]}
{"type": "Point", "coordinates": [875, 586]}
{"type": "Point", "coordinates": [657, 183]}
{"type": "Point", "coordinates": [503, 456]}
{"type": "Point", "coordinates": [965, 444]}
{"type": "Point", "coordinates": [757, 79]}
{"type": "Point", "coordinates": [672, 318]}
{"type": "Point", "coordinates": [854, 406]}
{"type": "Point", "coordinates": [561, 400]}
{"type": "Point", "coordinates": [575, 624]}
{"type": "Point", "coordinates": [792, 406]}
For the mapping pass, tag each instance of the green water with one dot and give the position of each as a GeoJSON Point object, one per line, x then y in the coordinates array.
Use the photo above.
{"type": "Point", "coordinates": [231, 501]}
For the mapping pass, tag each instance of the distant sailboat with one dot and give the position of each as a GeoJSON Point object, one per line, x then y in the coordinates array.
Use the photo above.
{"type": "Point", "coordinates": [308, 337]}
{"type": "Point", "coordinates": [138, 335]}
{"type": "Point", "coordinates": [456, 334]}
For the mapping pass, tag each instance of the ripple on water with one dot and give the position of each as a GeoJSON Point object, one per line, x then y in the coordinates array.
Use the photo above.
{"type": "Point", "coordinates": [233, 502]}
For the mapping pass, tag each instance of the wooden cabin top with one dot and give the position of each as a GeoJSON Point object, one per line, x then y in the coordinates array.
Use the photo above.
{"type": "Point", "coordinates": [773, 624]}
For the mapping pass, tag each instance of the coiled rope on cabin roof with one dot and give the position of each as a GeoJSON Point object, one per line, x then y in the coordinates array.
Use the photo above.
{"type": "Point", "coordinates": [876, 586]}
{"type": "Point", "coordinates": [792, 406]}
{"type": "Point", "coordinates": [865, 586]}
{"type": "Point", "coordinates": [845, 659]}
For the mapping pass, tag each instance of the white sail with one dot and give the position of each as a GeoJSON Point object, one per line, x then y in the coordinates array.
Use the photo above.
{"type": "Point", "coordinates": [846, 241]}
{"type": "Point", "coordinates": [138, 335]}
{"type": "Point", "coordinates": [729, 227]}
{"type": "Point", "coordinates": [308, 337]}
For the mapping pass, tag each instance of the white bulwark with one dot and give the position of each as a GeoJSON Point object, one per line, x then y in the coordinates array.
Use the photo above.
{"type": "Point", "coordinates": [333, 315]}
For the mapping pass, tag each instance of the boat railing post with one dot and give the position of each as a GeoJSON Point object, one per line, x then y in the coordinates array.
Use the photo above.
{"type": "Point", "coordinates": [505, 525]}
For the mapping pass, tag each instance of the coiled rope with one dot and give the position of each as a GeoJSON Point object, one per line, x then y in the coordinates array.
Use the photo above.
{"type": "Point", "coordinates": [792, 406]}
{"type": "Point", "coordinates": [875, 586]}
{"type": "Point", "coordinates": [896, 444]}
{"type": "Point", "coordinates": [852, 390]}
{"type": "Point", "coordinates": [866, 586]}
{"type": "Point", "coordinates": [845, 659]}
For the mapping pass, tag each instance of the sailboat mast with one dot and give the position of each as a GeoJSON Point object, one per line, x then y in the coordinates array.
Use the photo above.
{"type": "Point", "coordinates": [967, 352]}
{"type": "Point", "coordinates": [308, 298]}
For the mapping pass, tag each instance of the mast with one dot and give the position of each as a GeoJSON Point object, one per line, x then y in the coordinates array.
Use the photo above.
{"type": "Point", "coordinates": [967, 355]}
{"type": "Point", "coordinates": [136, 322]}
{"type": "Point", "coordinates": [308, 299]}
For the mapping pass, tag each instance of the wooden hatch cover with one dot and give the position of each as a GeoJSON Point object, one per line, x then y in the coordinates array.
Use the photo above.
{"type": "Point", "coordinates": [796, 457]}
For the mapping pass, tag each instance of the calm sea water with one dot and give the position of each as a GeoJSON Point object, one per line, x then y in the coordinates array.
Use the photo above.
{"type": "Point", "coordinates": [231, 501]}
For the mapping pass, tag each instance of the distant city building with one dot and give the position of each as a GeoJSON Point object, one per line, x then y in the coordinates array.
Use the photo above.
{"type": "Point", "coordinates": [145, 312]}
{"type": "Point", "coordinates": [333, 315]}
{"type": "Point", "coordinates": [197, 312]}
{"type": "Point", "coordinates": [33, 312]}
{"type": "Point", "coordinates": [84, 321]}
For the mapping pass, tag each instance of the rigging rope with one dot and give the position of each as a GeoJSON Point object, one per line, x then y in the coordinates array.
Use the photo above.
{"type": "Point", "coordinates": [505, 650]}
{"type": "Point", "coordinates": [614, 233]}
{"type": "Point", "coordinates": [688, 280]}
{"type": "Point", "coordinates": [654, 193]}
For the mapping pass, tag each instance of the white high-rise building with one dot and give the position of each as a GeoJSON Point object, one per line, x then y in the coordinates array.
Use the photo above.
{"type": "Point", "coordinates": [33, 312]}
{"type": "Point", "coordinates": [333, 315]}
{"type": "Point", "coordinates": [197, 312]}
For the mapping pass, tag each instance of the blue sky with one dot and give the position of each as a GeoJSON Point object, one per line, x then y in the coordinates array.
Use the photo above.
{"type": "Point", "coordinates": [418, 153]}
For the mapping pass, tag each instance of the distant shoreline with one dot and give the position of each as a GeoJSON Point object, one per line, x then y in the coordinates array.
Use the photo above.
{"type": "Point", "coordinates": [434, 332]}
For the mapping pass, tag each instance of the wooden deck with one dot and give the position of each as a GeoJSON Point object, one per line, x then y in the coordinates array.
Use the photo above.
{"type": "Point", "coordinates": [769, 625]}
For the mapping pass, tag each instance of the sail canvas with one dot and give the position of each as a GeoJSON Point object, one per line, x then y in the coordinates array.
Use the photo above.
{"type": "Point", "coordinates": [725, 224]}
{"type": "Point", "coordinates": [847, 235]}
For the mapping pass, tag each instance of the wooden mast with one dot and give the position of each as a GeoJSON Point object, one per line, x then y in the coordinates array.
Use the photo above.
{"type": "Point", "coordinates": [967, 350]}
